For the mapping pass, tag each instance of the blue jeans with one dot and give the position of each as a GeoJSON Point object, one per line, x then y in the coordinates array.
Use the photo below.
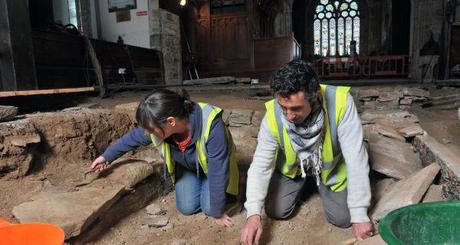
{"type": "Point", "coordinates": [192, 193]}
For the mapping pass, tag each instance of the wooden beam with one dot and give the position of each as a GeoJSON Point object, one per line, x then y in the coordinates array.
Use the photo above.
{"type": "Point", "coordinates": [45, 91]}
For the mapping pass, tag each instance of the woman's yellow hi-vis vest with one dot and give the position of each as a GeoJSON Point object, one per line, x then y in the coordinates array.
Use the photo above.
{"type": "Point", "coordinates": [209, 112]}
{"type": "Point", "coordinates": [334, 171]}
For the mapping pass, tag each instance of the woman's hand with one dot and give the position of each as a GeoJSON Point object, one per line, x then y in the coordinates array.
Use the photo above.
{"type": "Point", "coordinates": [224, 220]}
{"type": "Point", "coordinates": [99, 164]}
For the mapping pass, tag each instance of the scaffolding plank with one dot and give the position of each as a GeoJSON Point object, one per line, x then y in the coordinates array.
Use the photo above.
{"type": "Point", "coordinates": [45, 91]}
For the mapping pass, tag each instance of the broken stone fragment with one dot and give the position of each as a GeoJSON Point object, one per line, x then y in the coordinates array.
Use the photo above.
{"type": "Point", "coordinates": [392, 157]}
{"type": "Point", "coordinates": [157, 221]}
{"type": "Point", "coordinates": [405, 192]}
{"type": "Point", "coordinates": [155, 209]}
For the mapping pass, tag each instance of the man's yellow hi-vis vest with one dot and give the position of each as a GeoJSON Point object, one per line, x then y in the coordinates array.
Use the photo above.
{"type": "Point", "coordinates": [209, 113]}
{"type": "Point", "coordinates": [334, 171]}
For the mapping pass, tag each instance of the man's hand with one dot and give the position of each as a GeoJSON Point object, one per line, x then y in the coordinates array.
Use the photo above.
{"type": "Point", "coordinates": [99, 164]}
{"type": "Point", "coordinates": [252, 231]}
{"type": "Point", "coordinates": [224, 220]}
{"type": "Point", "coordinates": [362, 230]}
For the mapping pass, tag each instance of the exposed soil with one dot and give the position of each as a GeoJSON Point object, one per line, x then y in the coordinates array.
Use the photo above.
{"type": "Point", "coordinates": [72, 155]}
{"type": "Point", "coordinates": [307, 227]}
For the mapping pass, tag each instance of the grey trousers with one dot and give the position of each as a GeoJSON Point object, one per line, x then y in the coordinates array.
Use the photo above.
{"type": "Point", "coordinates": [284, 194]}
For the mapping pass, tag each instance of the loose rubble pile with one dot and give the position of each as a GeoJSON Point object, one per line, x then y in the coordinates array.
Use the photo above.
{"type": "Point", "coordinates": [406, 158]}
{"type": "Point", "coordinates": [397, 98]}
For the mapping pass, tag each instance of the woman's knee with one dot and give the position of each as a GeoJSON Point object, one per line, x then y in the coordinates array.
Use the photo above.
{"type": "Point", "coordinates": [188, 208]}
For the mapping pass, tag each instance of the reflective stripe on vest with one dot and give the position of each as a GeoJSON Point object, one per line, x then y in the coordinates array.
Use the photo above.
{"type": "Point", "coordinates": [334, 172]}
{"type": "Point", "coordinates": [208, 113]}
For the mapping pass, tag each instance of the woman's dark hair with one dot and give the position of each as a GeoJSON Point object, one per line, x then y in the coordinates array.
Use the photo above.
{"type": "Point", "coordinates": [294, 77]}
{"type": "Point", "coordinates": [161, 104]}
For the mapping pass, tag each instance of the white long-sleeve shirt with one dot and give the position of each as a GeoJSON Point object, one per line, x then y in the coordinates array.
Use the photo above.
{"type": "Point", "coordinates": [350, 134]}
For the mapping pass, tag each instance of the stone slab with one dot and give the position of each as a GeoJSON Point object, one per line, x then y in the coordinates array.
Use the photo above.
{"type": "Point", "coordinates": [240, 133]}
{"type": "Point", "coordinates": [398, 117]}
{"type": "Point", "coordinates": [434, 194]}
{"type": "Point", "coordinates": [415, 92]}
{"type": "Point", "coordinates": [368, 93]}
{"type": "Point", "coordinates": [388, 131]}
{"type": "Point", "coordinates": [146, 191]}
{"type": "Point", "coordinates": [257, 118]}
{"type": "Point", "coordinates": [382, 187]}
{"type": "Point", "coordinates": [392, 157]}
{"type": "Point", "coordinates": [130, 172]}
{"type": "Point", "coordinates": [76, 210]}
{"type": "Point", "coordinates": [240, 117]}
{"type": "Point", "coordinates": [405, 192]}
{"type": "Point", "coordinates": [411, 131]}
{"type": "Point", "coordinates": [390, 96]}
{"type": "Point", "coordinates": [72, 211]}
{"type": "Point", "coordinates": [226, 115]}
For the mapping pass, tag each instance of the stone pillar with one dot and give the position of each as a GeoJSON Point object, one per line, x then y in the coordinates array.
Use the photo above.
{"type": "Point", "coordinates": [165, 36]}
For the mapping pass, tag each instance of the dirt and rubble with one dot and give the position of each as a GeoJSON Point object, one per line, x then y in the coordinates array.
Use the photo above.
{"type": "Point", "coordinates": [44, 156]}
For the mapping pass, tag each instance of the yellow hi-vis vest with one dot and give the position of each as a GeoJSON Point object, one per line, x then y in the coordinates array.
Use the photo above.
{"type": "Point", "coordinates": [334, 171]}
{"type": "Point", "coordinates": [209, 113]}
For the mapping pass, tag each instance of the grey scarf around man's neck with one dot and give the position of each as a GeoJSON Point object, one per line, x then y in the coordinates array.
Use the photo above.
{"type": "Point", "coordinates": [307, 141]}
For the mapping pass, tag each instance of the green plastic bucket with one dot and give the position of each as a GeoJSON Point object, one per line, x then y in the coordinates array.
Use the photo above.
{"type": "Point", "coordinates": [424, 223]}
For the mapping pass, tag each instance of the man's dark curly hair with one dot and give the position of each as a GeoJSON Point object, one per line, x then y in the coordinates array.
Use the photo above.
{"type": "Point", "coordinates": [294, 77]}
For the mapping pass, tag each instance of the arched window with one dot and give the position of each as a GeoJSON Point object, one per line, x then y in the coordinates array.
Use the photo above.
{"type": "Point", "coordinates": [335, 25]}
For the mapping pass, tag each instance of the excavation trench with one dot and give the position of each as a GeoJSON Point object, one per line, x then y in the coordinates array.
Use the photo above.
{"type": "Point", "coordinates": [45, 154]}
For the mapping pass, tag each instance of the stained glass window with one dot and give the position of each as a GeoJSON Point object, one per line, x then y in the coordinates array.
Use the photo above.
{"type": "Point", "coordinates": [324, 37]}
{"type": "Point", "coordinates": [336, 23]}
{"type": "Point", "coordinates": [317, 36]}
{"type": "Point", "coordinates": [332, 38]}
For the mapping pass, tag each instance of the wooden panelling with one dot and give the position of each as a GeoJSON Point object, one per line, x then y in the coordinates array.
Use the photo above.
{"type": "Point", "coordinates": [272, 53]}
{"type": "Point", "coordinates": [201, 39]}
{"type": "Point", "coordinates": [229, 43]}
{"type": "Point", "coordinates": [224, 44]}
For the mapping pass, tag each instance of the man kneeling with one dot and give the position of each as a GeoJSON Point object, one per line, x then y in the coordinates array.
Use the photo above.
{"type": "Point", "coordinates": [309, 129]}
